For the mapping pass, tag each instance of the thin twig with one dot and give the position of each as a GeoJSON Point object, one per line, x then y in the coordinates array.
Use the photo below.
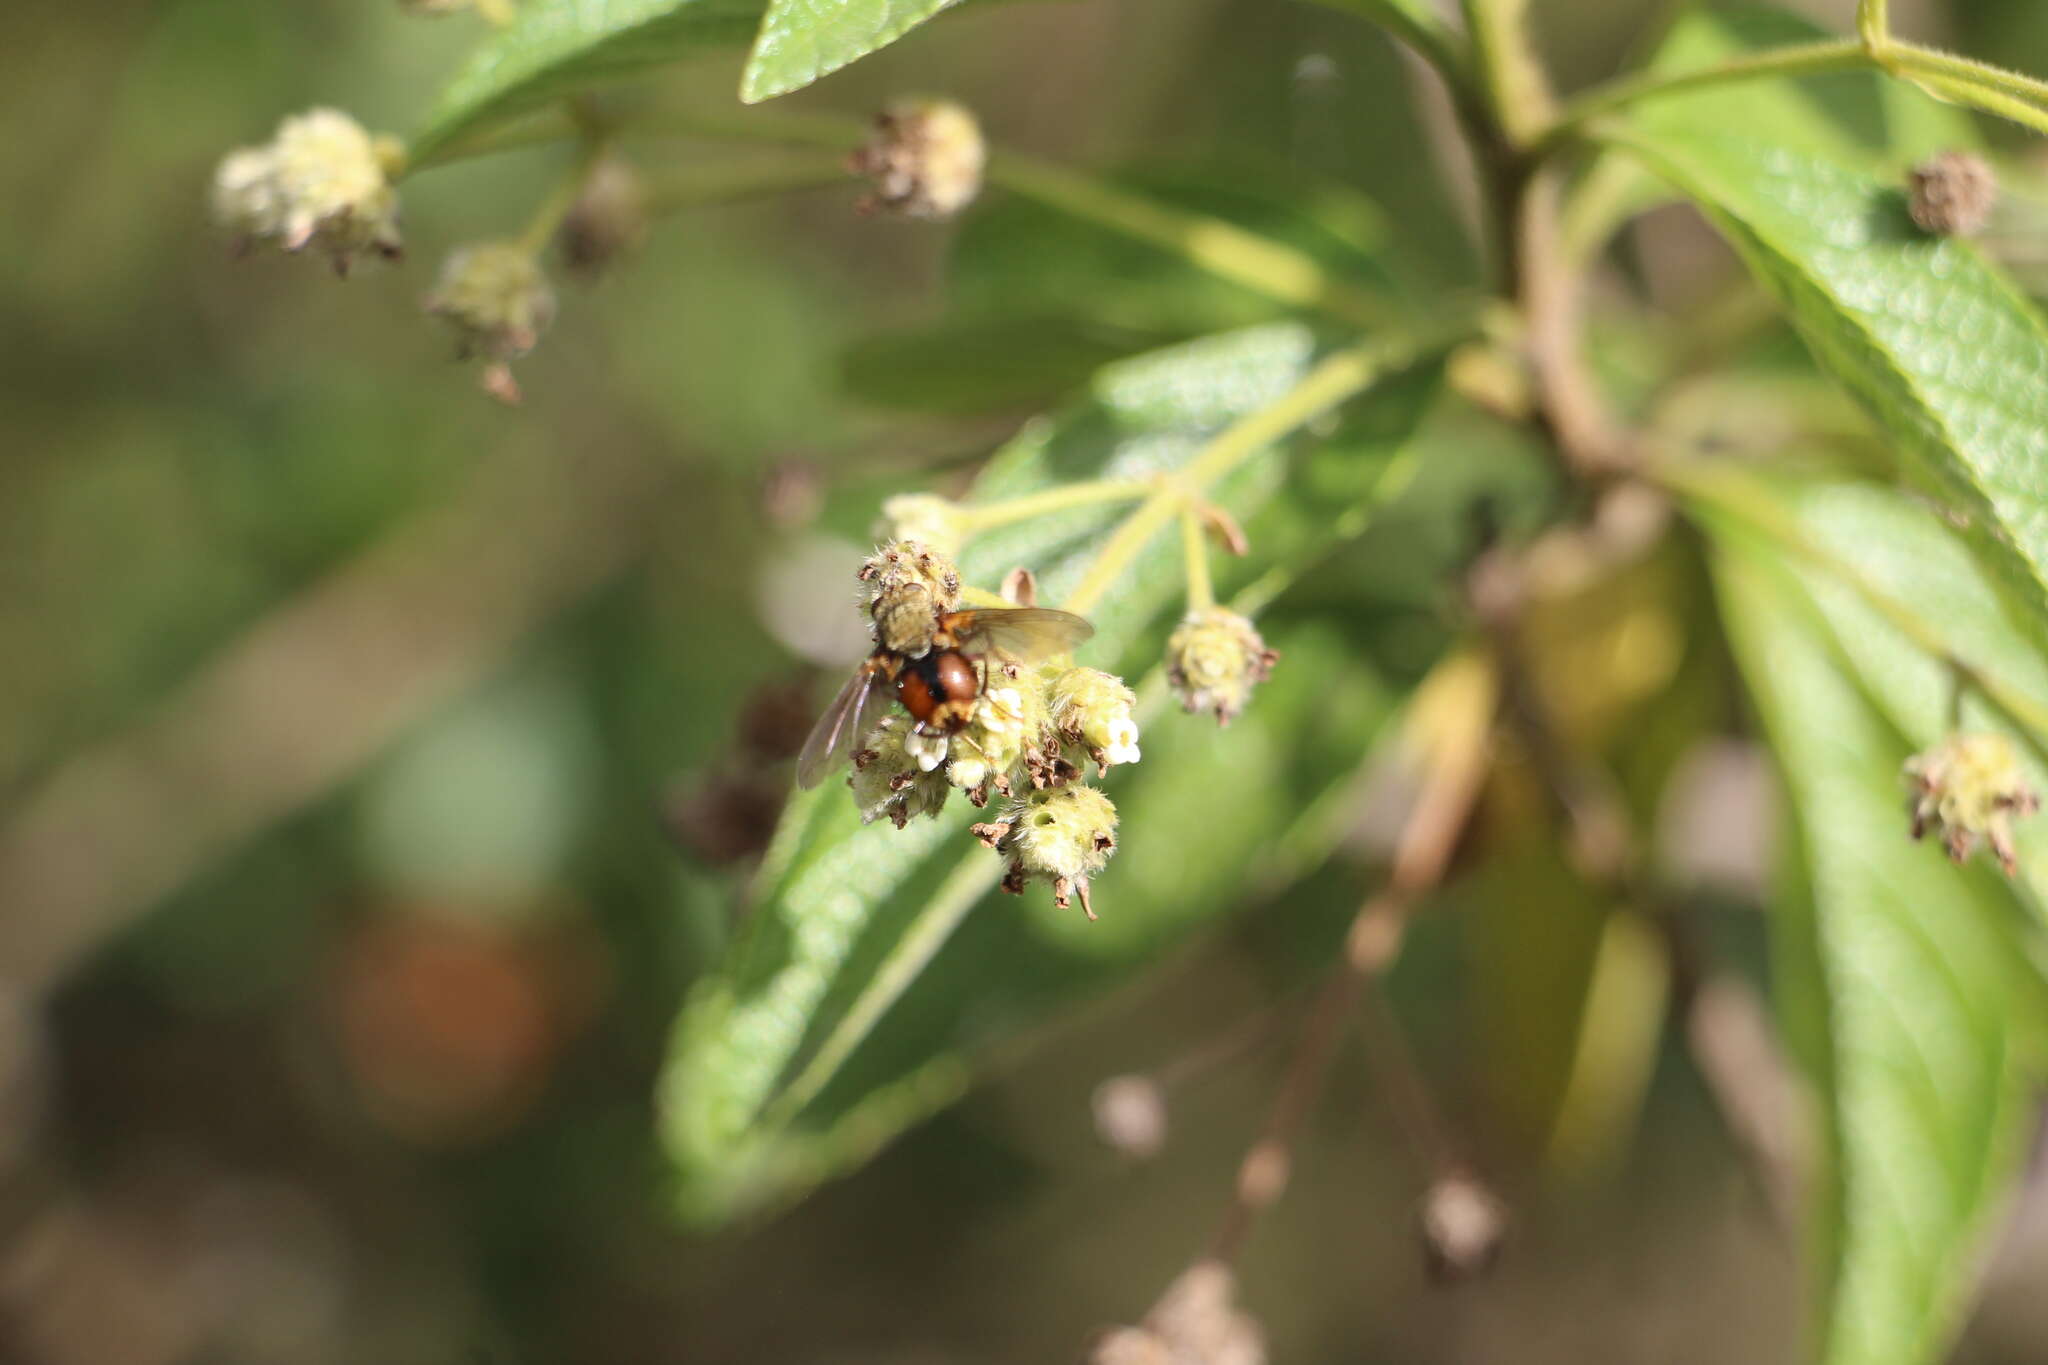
{"type": "Point", "coordinates": [1552, 294]}
{"type": "Point", "coordinates": [1421, 856]}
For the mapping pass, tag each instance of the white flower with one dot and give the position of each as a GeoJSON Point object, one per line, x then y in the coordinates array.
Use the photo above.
{"type": "Point", "coordinates": [1123, 740]}
{"type": "Point", "coordinates": [928, 750]}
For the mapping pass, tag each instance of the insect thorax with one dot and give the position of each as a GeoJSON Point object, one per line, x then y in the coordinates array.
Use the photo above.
{"type": "Point", "coordinates": [905, 620]}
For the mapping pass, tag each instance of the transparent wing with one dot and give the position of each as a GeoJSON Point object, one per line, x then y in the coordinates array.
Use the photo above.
{"type": "Point", "coordinates": [836, 730]}
{"type": "Point", "coordinates": [1021, 633]}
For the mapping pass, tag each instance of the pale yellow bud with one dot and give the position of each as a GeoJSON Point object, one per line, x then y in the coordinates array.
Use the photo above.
{"type": "Point", "coordinates": [925, 159]}
{"type": "Point", "coordinates": [322, 182]}
{"type": "Point", "coordinates": [1214, 659]}
{"type": "Point", "coordinates": [1093, 709]}
{"type": "Point", "coordinates": [1970, 788]}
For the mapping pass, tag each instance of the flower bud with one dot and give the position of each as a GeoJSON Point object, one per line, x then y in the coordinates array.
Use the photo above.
{"type": "Point", "coordinates": [607, 221]}
{"type": "Point", "coordinates": [1951, 194]}
{"type": "Point", "coordinates": [1063, 835]}
{"type": "Point", "coordinates": [925, 159]}
{"type": "Point", "coordinates": [1970, 788]}
{"type": "Point", "coordinates": [1130, 1115]}
{"type": "Point", "coordinates": [1093, 709]}
{"type": "Point", "coordinates": [321, 182]}
{"type": "Point", "coordinates": [890, 779]}
{"type": "Point", "coordinates": [1198, 1317]}
{"type": "Point", "coordinates": [931, 521]}
{"type": "Point", "coordinates": [1462, 1227]}
{"type": "Point", "coordinates": [1129, 1346]}
{"type": "Point", "coordinates": [496, 298]}
{"type": "Point", "coordinates": [1214, 659]}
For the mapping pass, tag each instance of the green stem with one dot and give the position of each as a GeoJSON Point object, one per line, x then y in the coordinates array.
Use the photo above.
{"type": "Point", "coordinates": [1514, 80]}
{"type": "Point", "coordinates": [726, 185]}
{"type": "Point", "coordinates": [1991, 101]}
{"type": "Point", "coordinates": [1258, 263]}
{"type": "Point", "coordinates": [1195, 549]}
{"type": "Point", "coordinates": [1737, 496]}
{"type": "Point", "coordinates": [1339, 376]}
{"type": "Point", "coordinates": [1265, 266]}
{"type": "Point", "coordinates": [987, 516]}
{"type": "Point", "coordinates": [1802, 59]}
{"type": "Point", "coordinates": [1926, 63]}
{"type": "Point", "coordinates": [1873, 25]}
{"type": "Point", "coordinates": [497, 13]}
{"type": "Point", "coordinates": [548, 217]}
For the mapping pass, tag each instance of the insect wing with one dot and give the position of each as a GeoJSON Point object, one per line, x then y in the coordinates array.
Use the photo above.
{"type": "Point", "coordinates": [836, 730]}
{"type": "Point", "coordinates": [1025, 634]}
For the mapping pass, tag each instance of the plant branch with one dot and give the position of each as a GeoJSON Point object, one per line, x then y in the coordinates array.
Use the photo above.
{"type": "Point", "coordinates": [989, 515]}
{"type": "Point", "coordinates": [1573, 412]}
{"type": "Point", "coordinates": [1265, 266]}
{"type": "Point", "coordinates": [1450, 717]}
{"type": "Point", "coordinates": [1803, 59]}
{"type": "Point", "coordinates": [1195, 551]}
{"type": "Point", "coordinates": [1339, 376]}
{"type": "Point", "coordinates": [1517, 88]}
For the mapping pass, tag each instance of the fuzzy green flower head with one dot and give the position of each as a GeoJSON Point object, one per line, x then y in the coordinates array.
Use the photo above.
{"type": "Point", "coordinates": [1967, 789]}
{"type": "Point", "coordinates": [1093, 709]}
{"type": "Point", "coordinates": [1008, 716]}
{"type": "Point", "coordinates": [1214, 659]}
{"type": "Point", "coordinates": [925, 159]}
{"type": "Point", "coordinates": [1063, 835]}
{"type": "Point", "coordinates": [890, 779]}
{"type": "Point", "coordinates": [932, 521]}
{"type": "Point", "coordinates": [495, 297]}
{"type": "Point", "coordinates": [321, 182]}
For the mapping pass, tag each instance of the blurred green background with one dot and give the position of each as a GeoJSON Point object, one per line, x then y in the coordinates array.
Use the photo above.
{"type": "Point", "coordinates": [378, 765]}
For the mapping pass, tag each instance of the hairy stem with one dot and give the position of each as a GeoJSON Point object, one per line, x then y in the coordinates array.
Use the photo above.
{"type": "Point", "coordinates": [986, 516]}
{"type": "Point", "coordinates": [1517, 88]}
{"type": "Point", "coordinates": [1803, 59]}
{"type": "Point", "coordinates": [1339, 376]}
{"type": "Point", "coordinates": [1195, 550]}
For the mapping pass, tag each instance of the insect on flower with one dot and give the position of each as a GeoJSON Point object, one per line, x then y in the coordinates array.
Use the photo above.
{"type": "Point", "coordinates": [938, 663]}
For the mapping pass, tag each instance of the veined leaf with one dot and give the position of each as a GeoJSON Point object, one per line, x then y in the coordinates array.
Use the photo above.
{"type": "Point", "coordinates": [557, 47]}
{"type": "Point", "coordinates": [864, 986]}
{"type": "Point", "coordinates": [1929, 1019]}
{"type": "Point", "coordinates": [801, 40]}
{"type": "Point", "coordinates": [1947, 355]}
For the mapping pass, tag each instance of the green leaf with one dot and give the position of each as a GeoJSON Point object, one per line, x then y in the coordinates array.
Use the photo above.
{"type": "Point", "coordinates": [1927, 1027]}
{"type": "Point", "coordinates": [1947, 356]}
{"type": "Point", "coordinates": [558, 47]}
{"type": "Point", "coordinates": [791, 1062]}
{"type": "Point", "coordinates": [801, 40]}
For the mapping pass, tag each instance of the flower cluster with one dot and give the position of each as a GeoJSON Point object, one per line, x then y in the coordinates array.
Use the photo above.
{"type": "Point", "coordinates": [321, 182]}
{"type": "Point", "coordinates": [1025, 734]}
{"type": "Point", "coordinates": [1214, 659]}
{"type": "Point", "coordinates": [1967, 789]}
{"type": "Point", "coordinates": [498, 302]}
